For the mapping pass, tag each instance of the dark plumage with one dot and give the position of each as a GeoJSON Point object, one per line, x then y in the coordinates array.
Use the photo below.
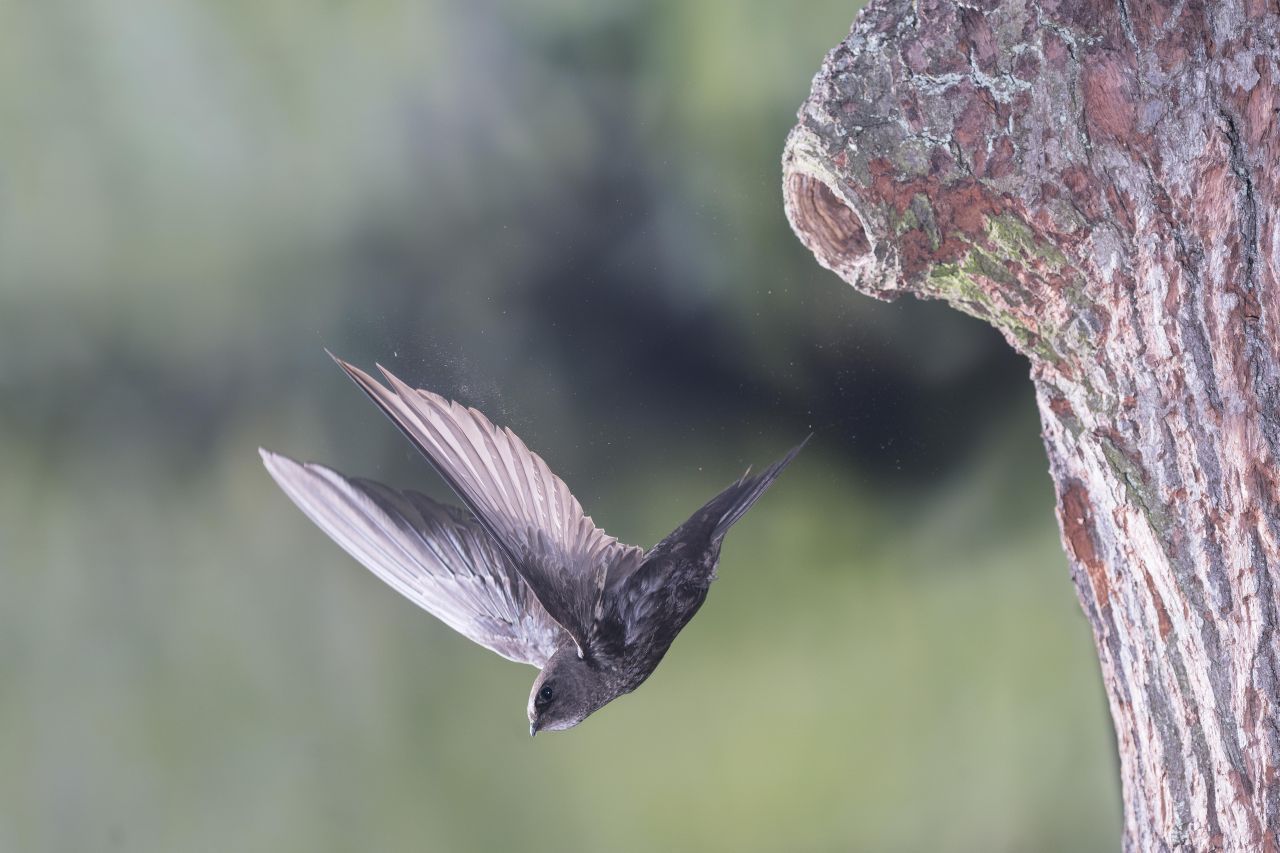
{"type": "Point", "coordinates": [525, 573]}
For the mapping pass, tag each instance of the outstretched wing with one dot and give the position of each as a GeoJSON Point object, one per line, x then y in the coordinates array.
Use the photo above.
{"type": "Point", "coordinates": [436, 556]}
{"type": "Point", "coordinates": [530, 513]}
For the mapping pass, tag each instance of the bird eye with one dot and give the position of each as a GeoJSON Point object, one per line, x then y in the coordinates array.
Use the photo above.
{"type": "Point", "coordinates": [546, 694]}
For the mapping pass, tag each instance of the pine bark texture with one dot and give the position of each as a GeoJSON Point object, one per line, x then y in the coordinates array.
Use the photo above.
{"type": "Point", "coordinates": [1098, 179]}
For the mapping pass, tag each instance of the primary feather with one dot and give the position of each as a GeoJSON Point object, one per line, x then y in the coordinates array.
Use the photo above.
{"type": "Point", "coordinates": [436, 556]}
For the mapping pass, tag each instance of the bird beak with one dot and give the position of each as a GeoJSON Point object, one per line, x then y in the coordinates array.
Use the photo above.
{"type": "Point", "coordinates": [533, 729]}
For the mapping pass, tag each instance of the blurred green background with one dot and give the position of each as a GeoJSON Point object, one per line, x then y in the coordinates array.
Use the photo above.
{"type": "Point", "coordinates": [568, 214]}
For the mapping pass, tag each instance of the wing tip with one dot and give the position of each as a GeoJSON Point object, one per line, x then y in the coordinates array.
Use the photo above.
{"type": "Point", "coordinates": [397, 387]}
{"type": "Point", "coordinates": [361, 378]}
{"type": "Point", "coordinates": [795, 451]}
{"type": "Point", "coordinates": [281, 467]}
{"type": "Point", "coordinates": [284, 469]}
{"type": "Point", "coordinates": [393, 380]}
{"type": "Point", "coordinates": [349, 368]}
{"type": "Point", "coordinates": [271, 459]}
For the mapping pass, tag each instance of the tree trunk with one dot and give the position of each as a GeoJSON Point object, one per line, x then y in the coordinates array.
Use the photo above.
{"type": "Point", "coordinates": [1098, 179]}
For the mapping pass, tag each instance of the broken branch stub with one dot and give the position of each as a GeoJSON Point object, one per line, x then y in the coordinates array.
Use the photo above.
{"type": "Point", "coordinates": [1098, 180]}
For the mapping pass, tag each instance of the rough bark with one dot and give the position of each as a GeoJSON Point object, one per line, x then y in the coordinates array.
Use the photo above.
{"type": "Point", "coordinates": [1098, 179]}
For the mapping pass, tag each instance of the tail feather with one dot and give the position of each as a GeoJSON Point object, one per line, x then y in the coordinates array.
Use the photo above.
{"type": "Point", "coordinates": [734, 501]}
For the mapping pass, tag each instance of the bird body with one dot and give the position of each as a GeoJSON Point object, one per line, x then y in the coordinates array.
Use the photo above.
{"type": "Point", "coordinates": [523, 572]}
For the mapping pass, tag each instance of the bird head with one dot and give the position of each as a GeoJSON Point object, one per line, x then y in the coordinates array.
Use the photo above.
{"type": "Point", "coordinates": [565, 693]}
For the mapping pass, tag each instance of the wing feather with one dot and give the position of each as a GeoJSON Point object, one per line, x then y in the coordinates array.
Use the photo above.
{"type": "Point", "coordinates": [435, 555]}
{"type": "Point", "coordinates": [530, 512]}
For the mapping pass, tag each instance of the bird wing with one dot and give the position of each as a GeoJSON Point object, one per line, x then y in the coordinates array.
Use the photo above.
{"type": "Point", "coordinates": [436, 556]}
{"type": "Point", "coordinates": [529, 511]}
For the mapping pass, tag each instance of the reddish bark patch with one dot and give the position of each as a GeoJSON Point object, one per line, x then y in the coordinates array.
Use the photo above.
{"type": "Point", "coordinates": [1000, 163]}
{"type": "Point", "coordinates": [1061, 407]}
{"type": "Point", "coordinates": [884, 184]}
{"type": "Point", "coordinates": [960, 211]}
{"type": "Point", "coordinates": [1148, 17]}
{"type": "Point", "coordinates": [1255, 9]}
{"type": "Point", "coordinates": [1076, 516]}
{"type": "Point", "coordinates": [1121, 207]}
{"type": "Point", "coordinates": [1215, 187]}
{"type": "Point", "coordinates": [982, 42]}
{"type": "Point", "coordinates": [1026, 66]}
{"type": "Point", "coordinates": [925, 55]}
{"type": "Point", "coordinates": [1262, 112]}
{"type": "Point", "coordinates": [1185, 35]}
{"type": "Point", "coordinates": [1055, 51]}
{"type": "Point", "coordinates": [976, 119]}
{"type": "Point", "coordinates": [1110, 108]}
{"type": "Point", "coordinates": [1083, 186]}
{"type": "Point", "coordinates": [1162, 613]}
{"type": "Point", "coordinates": [966, 206]}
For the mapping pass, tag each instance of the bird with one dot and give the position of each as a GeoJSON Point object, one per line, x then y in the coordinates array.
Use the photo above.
{"type": "Point", "coordinates": [520, 569]}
